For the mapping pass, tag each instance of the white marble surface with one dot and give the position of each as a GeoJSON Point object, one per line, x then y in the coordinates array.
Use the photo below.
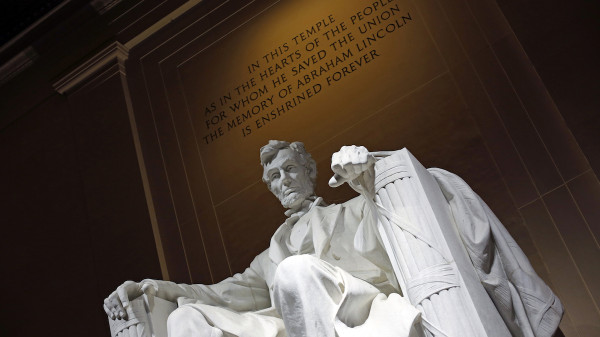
{"type": "Point", "coordinates": [336, 270]}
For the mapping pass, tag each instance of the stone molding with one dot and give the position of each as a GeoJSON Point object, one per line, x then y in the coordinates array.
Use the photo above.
{"type": "Point", "coordinates": [103, 6]}
{"type": "Point", "coordinates": [115, 53]}
{"type": "Point", "coordinates": [17, 64]}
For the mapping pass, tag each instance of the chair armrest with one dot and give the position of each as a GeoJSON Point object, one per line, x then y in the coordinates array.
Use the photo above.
{"type": "Point", "coordinates": [146, 317]}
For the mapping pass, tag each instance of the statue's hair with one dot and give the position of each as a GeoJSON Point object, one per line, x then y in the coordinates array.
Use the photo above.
{"type": "Point", "coordinates": [269, 151]}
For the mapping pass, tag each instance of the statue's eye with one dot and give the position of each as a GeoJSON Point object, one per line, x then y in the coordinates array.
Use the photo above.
{"type": "Point", "coordinates": [290, 168]}
{"type": "Point", "coordinates": [274, 176]}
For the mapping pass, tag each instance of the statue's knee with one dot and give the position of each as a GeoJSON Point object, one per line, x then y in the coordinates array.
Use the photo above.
{"type": "Point", "coordinates": [294, 271]}
{"type": "Point", "coordinates": [179, 315]}
{"type": "Point", "coordinates": [186, 321]}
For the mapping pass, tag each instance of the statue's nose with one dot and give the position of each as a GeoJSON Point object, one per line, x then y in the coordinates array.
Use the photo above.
{"type": "Point", "coordinates": [285, 178]}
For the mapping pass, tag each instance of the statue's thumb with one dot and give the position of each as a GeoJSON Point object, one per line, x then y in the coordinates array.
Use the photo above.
{"type": "Point", "coordinates": [336, 180]}
{"type": "Point", "coordinates": [149, 287]}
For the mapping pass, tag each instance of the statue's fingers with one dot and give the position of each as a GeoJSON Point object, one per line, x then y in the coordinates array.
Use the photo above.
{"type": "Point", "coordinates": [108, 312]}
{"type": "Point", "coordinates": [335, 159]}
{"type": "Point", "coordinates": [111, 302]}
{"type": "Point", "coordinates": [347, 148]}
{"type": "Point", "coordinates": [114, 305]}
{"type": "Point", "coordinates": [363, 156]}
{"type": "Point", "coordinates": [123, 298]}
{"type": "Point", "coordinates": [125, 290]}
{"type": "Point", "coordinates": [356, 157]}
{"type": "Point", "coordinates": [346, 158]}
{"type": "Point", "coordinates": [117, 308]}
{"type": "Point", "coordinates": [114, 312]}
{"type": "Point", "coordinates": [149, 287]}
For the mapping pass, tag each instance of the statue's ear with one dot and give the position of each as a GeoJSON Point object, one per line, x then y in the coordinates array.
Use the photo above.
{"type": "Point", "coordinates": [268, 186]}
{"type": "Point", "coordinates": [312, 170]}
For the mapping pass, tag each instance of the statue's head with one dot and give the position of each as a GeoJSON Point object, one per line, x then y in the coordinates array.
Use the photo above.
{"type": "Point", "coordinates": [289, 172]}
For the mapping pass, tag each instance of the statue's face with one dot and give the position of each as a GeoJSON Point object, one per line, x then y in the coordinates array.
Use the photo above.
{"type": "Point", "coordinates": [289, 179]}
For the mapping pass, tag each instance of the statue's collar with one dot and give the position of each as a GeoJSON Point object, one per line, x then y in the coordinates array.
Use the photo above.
{"type": "Point", "coordinates": [279, 249]}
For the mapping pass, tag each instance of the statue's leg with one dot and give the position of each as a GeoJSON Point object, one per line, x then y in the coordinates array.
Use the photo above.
{"type": "Point", "coordinates": [186, 321]}
{"type": "Point", "coordinates": [310, 293]}
{"type": "Point", "coordinates": [201, 320]}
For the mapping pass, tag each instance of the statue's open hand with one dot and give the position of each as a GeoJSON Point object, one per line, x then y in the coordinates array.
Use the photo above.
{"type": "Point", "coordinates": [353, 164]}
{"type": "Point", "coordinates": [116, 303]}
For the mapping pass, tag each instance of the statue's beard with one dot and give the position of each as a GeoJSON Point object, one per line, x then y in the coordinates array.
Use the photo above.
{"type": "Point", "coordinates": [295, 199]}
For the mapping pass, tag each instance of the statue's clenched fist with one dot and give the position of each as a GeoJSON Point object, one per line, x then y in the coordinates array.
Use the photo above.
{"type": "Point", "coordinates": [116, 303]}
{"type": "Point", "coordinates": [353, 164]}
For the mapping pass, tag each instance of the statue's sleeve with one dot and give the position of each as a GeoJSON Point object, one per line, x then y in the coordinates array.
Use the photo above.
{"type": "Point", "coordinates": [520, 295]}
{"type": "Point", "coordinates": [247, 291]}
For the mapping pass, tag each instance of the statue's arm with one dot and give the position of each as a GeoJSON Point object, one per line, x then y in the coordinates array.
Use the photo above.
{"type": "Point", "coordinates": [247, 291]}
{"type": "Point", "coordinates": [242, 292]}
